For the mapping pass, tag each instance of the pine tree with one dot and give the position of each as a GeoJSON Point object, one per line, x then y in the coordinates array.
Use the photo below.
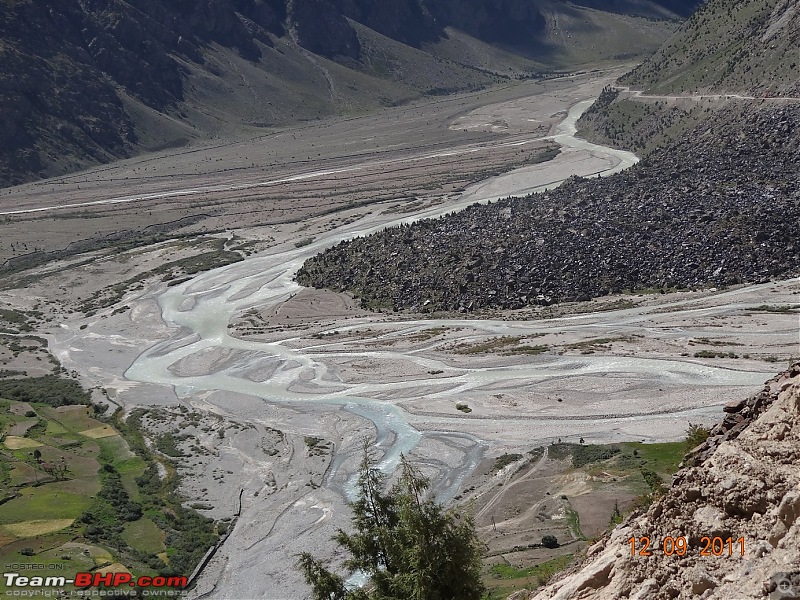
{"type": "Point", "coordinates": [408, 545]}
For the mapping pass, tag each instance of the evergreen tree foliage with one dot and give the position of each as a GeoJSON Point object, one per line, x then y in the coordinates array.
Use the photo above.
{"type": "Point", "coordinates": [407, 544]}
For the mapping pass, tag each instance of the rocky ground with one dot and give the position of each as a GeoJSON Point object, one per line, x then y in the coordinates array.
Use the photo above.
{"type": "Point", "coordinates": [744, 485]}
{"type": "Point", "coordinates": [717, 207]}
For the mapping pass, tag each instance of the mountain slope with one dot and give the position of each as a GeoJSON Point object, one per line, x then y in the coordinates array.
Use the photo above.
{"type": "Point", "coordinates": [728, 46]}
{"type": "Point", "coordinates": [693, 213]}
{"type": "Point", "coordinates": [91, 81]}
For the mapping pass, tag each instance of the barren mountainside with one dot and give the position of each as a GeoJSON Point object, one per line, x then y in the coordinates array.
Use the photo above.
{"type": "Point", "coordinates": [735, 48]}
{"type": "Point", "coordinates": [88, 82]}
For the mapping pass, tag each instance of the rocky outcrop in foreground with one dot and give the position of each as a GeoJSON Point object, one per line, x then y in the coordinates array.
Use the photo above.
{"type": "Point", "coordinates": [746, 489]}
{"type": "Point", "coordinates": [720, 206]}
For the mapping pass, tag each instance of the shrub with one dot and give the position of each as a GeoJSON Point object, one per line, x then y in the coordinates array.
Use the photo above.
{"type": "Point", "coordinates": [550, 541]}
{"type": "Point", "coordinates": [696, 435]}
{"type": "Point", "coordinates": [584, 455]}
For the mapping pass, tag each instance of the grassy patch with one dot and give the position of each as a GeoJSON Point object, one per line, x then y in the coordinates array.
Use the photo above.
{"type": "Point", "coordinates": [74, 418]}
{"type": "Point", "coordinates": [581, 454]}
{"type": "Point", "coordinates": [531, 350]}
{"type": "Point", "coordinates": [661, 458]}
{"type": "Point", "coordinates": [490, 345]}
{"type": "Point", "coordinates": [777, 308]}
{"type": "Point", "coordinates": [13, 442]}
{"type": "Point", "coordinates": [574, 523]}
{"type": "Point", "coordinates": [167, 443]}
{"type": "Point", "coordinates": [55, 428]}
{"type": "Point", "coordinates": [590, 346]}
{"type": "Point", "coordinates": [505, 460]}
{"type": "Point", "coordinates": [100, 432]}
{"type": "Point", "coordinates": [543, 571]}
{"type": "Point", "coordinates": [26, 529]}
{"type": "Point", "coordinates": [424, 336]}
{"type": "Point", "coordinates": [715, 354]}
{"type": "Point", "coordinates": [504, 579]}
{"type": "Point", "coordinates": [709, 342]}
{"type": "Point", "coordinates": [45, 502]}
{"type": "Point", "coordinates": [144, 536]}
{"type": "Point", "coordinates": [506, 344]}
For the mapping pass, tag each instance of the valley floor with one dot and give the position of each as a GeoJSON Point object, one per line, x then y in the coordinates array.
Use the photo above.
{"type": "Point", "coordinates": [299, 378]}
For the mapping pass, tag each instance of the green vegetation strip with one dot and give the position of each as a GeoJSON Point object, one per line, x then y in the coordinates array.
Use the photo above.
{"type": "Point", "coordinates": [504, 579]}
{"type": "Point", "coordinates": [71, 487]}
{"type": "Point", "coordinates": [543, 571]}
{"type": "Point", "coordinates": [217, 256]}
{"type": "Point", "coordinates": [777, 308]}
{"type": "Point", "coordinates": [49, 389]}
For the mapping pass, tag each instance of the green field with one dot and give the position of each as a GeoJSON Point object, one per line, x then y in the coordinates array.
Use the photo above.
{"type": "Point", "coordinates": [661, 458]}
{"type": "Point", "coordinates": [80, 493]}
{"type": "Point", "coordinates": [50, 501]}
{"type": "Point", "coordinates": [143, 535]}
{"type": "Point", "coordinates": [624, 459]}
{"type": "Point", "coordinates": [504, 579]}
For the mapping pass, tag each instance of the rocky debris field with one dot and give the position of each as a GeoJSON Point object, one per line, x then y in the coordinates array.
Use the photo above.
{"type": "Point", "coordinates": [717, 207]}
{"type": "Point", "coordinates": [747, 489]}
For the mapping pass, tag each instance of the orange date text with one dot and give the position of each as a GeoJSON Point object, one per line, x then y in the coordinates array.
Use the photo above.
{"type": "Point", "coordinates": [679, 546]}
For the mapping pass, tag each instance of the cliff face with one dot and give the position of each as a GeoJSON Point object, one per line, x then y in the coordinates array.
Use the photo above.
{"type": "Point", "coordinates": [743, 484]}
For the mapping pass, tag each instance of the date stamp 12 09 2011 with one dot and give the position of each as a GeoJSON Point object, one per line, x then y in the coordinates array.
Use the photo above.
{"type": "Point", "coordinates": [679, 546]}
